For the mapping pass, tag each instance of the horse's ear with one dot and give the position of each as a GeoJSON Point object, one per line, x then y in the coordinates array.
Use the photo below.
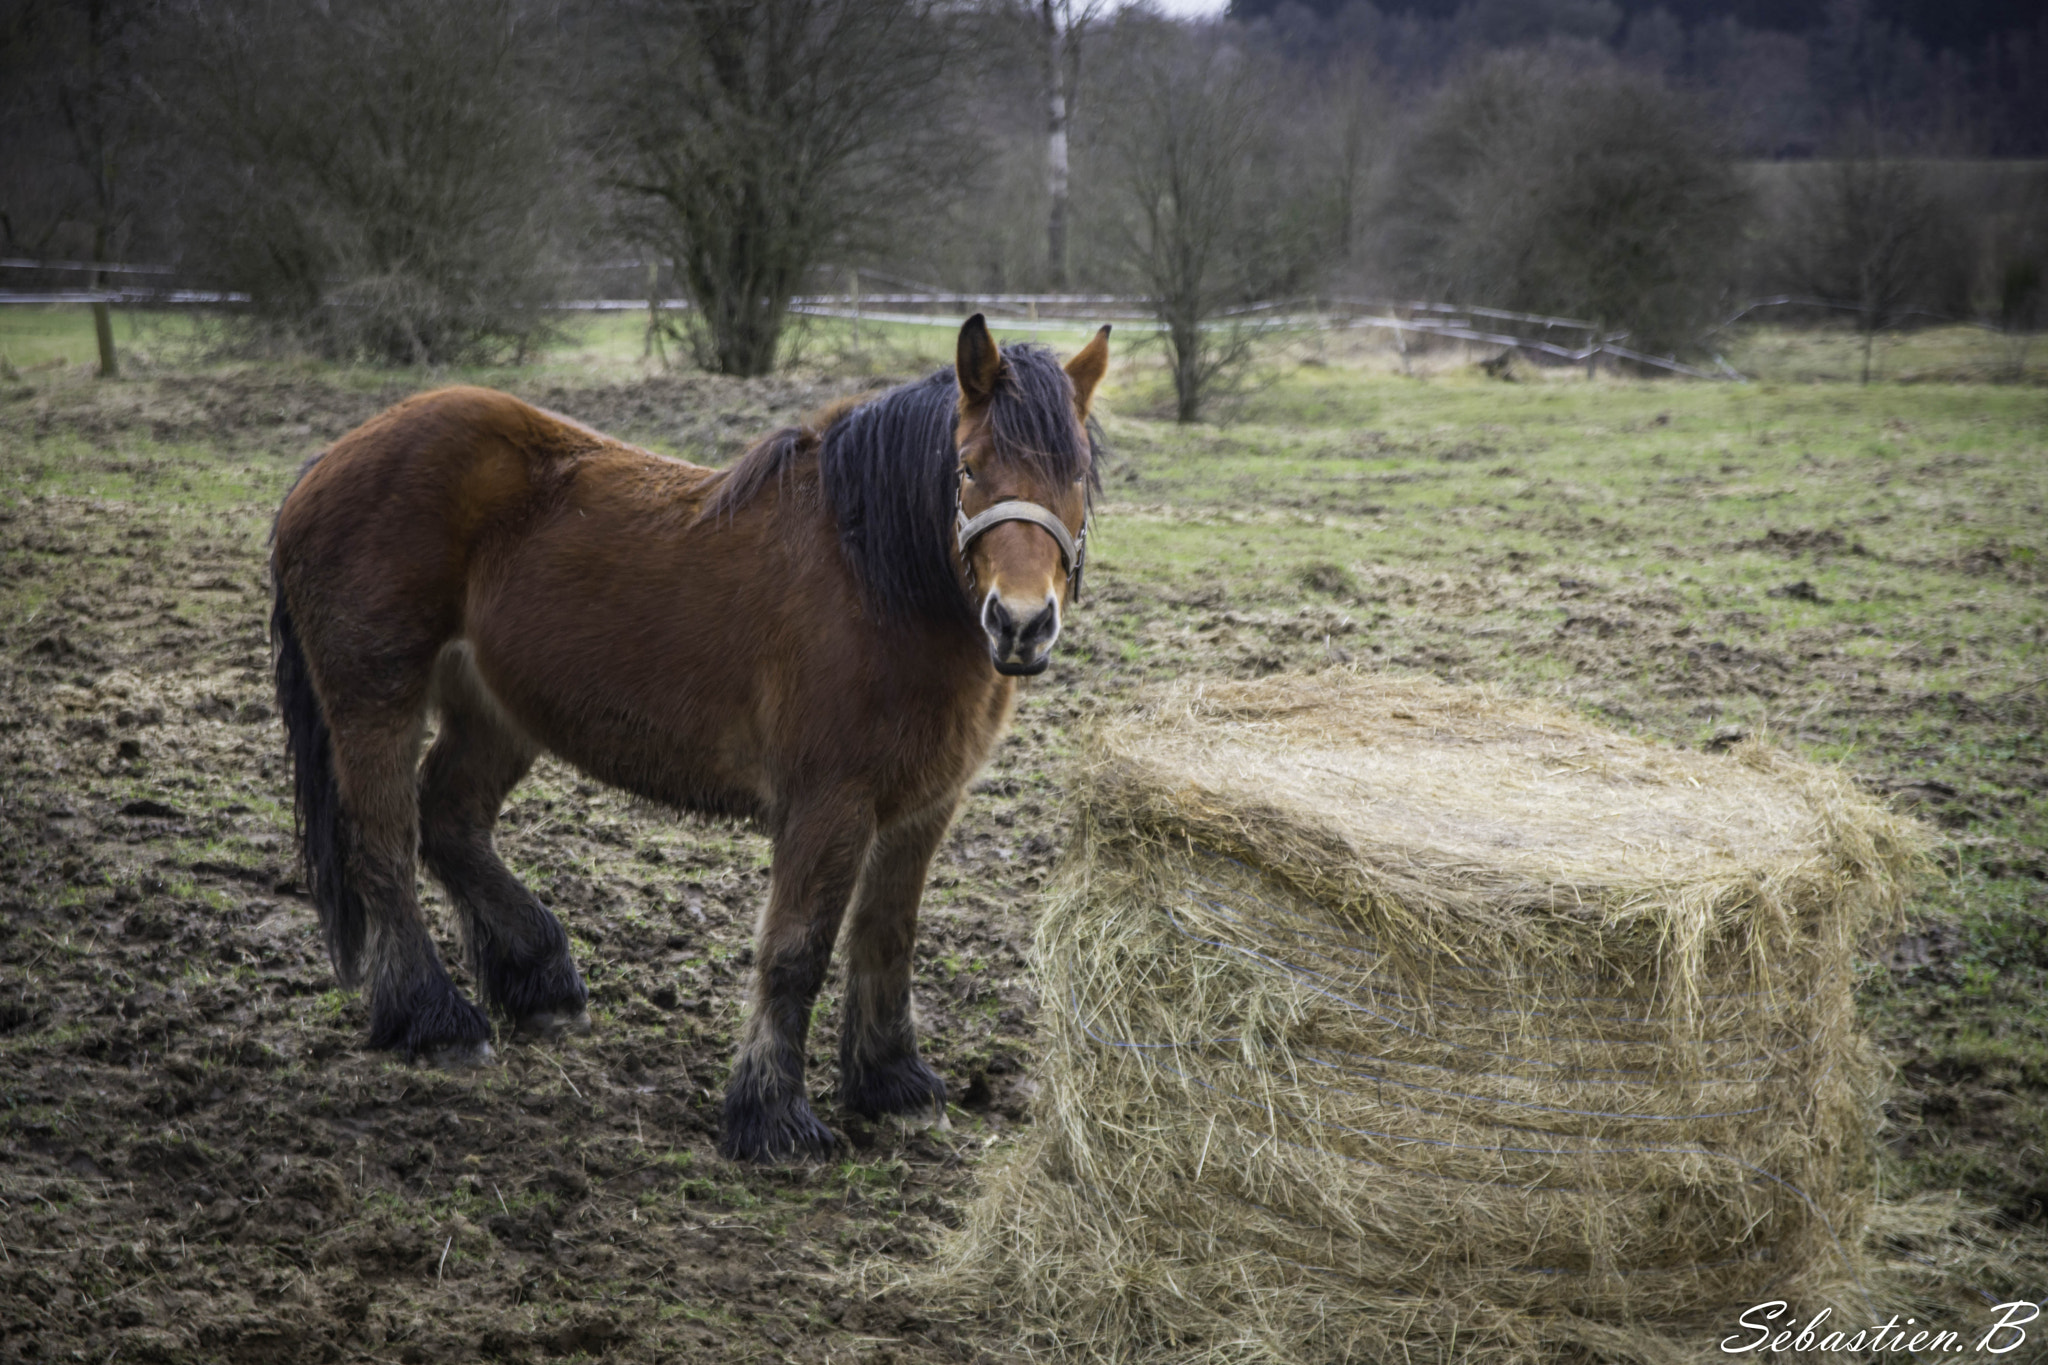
{"type": "Point", "coordinates": [977, 362]}
{"type": "Point", "coordinates": [1086, 369]}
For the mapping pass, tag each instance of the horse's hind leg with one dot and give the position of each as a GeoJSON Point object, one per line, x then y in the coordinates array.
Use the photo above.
{"type": "Point", "coordinates": [414, 1007]}
{"type": "Point", "coordinates": [354, 737]}
{"type": "Point", "coordinates": [880, 1071]}
{"type": "Point", "coordinates": [517, 949]}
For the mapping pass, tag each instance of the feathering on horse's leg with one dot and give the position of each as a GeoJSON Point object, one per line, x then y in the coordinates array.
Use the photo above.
{"type": "Point", "coordinates": [516, 947]}
{"type": "Point", "coordinates": [414, 1006]}
{"type": "Point", "coordinates": [818, 855]}
{"type": "Point", "coordinates": [880, 1071]}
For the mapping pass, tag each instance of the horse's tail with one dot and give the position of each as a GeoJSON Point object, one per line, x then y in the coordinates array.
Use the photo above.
{"type": "Point", "coordinates": [323, 826]}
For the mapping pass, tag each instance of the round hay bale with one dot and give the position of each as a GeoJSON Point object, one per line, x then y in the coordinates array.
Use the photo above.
{"type": "Point", "coordinates": [1389, 1020]}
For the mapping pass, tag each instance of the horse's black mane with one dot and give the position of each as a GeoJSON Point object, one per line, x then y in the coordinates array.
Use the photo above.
{"type": "Point", "coordinates": [887, 473]}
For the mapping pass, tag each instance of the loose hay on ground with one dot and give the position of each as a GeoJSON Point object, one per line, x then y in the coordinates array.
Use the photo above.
{"type": "Point", "coordinates": [1386, 1019]}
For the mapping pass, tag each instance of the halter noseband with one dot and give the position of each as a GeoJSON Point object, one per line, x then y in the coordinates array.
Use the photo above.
{"type": "Point", "coordinates": [1073, 549]}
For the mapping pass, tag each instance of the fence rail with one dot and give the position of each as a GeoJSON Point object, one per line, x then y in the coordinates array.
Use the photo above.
{"type": "Point", "coordinates": [1449, 320]}
{"type": "Point", "coordinates": [103, 267]}
{"type": "Point", "coordinates": [918, 305]}
{"type": "Point", "coordinates": [126, 298]}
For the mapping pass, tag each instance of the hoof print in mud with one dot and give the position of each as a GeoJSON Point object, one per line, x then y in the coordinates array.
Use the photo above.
{"type": "Point", "coordinates": [459, 1056]}
{"type": "Point", "coordinates": [552, 1027]}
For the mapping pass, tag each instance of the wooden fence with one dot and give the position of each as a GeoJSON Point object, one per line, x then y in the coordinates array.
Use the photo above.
{"type": "Point", "coordinates": [1565, 340]}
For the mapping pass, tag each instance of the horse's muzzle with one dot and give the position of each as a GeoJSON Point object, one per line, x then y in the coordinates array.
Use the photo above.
{"type": "Point", "coordinates": [1020, 648]}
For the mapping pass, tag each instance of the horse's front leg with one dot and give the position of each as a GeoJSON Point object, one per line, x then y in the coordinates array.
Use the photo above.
{"type": "Point", "coordinates": [880, 1071]}
{"type": "Point", "coordinates": [818, 855]}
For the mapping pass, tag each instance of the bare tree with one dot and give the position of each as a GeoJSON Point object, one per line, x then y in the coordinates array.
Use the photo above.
{"type": "Point", "coordinates": [1061, 25]}
{"type": "Point", "coordinates": [1349, 105]}
{"type": "Point", "coordinates": [385, 176]}
{"type": "Point", "coordinates": [755, 139]}
{"type": "Point", "coordinates": [1866, 235]}
{"type": "Point", "coordinates": [1561, 186]}
{"type": "Point", "coordinates": [1212, 213]}
{"type": "Point", "coordinates": [82, 115]}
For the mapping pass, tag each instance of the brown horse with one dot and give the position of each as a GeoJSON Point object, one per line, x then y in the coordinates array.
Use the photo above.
{"type": "Point", "coordinates": [821, 639]}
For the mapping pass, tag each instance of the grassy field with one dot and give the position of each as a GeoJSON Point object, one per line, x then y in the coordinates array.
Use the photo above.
{"type": "Point", "coordinates": [200, 1162]}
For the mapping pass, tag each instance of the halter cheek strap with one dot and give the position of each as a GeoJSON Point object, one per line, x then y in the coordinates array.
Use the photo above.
{"type": "Point", "coordinates": [1073, 550]}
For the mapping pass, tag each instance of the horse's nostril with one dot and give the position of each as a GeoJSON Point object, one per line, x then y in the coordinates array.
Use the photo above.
{"type": "Point", "coordinates": [996, 618]}
{"type": "Point", "coordinates": [1043, 626]}
{"type": "Point", "coordinates": [1020, 636]}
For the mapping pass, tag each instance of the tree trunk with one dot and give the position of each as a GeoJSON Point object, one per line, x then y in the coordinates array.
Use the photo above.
{"type": "Point", "coordinates": [652, 346]}
{"type": "Point", "coordinates": [748, 348]}
{"type": "Point", "coordinates": [103, 328]}
{"type": "Point", "coordinates": [1055, 145]}
{"type": "Point", "coordinates": [102, 314]}
{"type": "Point", "coordinates": [1184, 337]}
{"type": "Point", "coordinates": [736, 310]}
{"type": "Point", "coordinates": [1867, 295]}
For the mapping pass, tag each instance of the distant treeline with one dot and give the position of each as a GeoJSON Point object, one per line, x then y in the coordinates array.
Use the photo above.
{"type": "Point", "coordinates": [419, 180]}
{"type": "Point", "coordinates": [1938, 77]}
{"type": "Point", "coordinates": [1962, 25]}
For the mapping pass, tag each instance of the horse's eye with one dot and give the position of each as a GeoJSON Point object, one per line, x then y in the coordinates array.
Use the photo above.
{"type": "Point", "coordinates": [966, 473]}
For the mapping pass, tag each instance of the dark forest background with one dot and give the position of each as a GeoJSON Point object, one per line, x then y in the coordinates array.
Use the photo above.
{"type": "Point", "coordinates": [420, 180]}
{"type": "Point", "coordinates": [1941, 77]}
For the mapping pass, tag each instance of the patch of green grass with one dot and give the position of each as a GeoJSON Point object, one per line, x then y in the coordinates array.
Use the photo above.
{"type": "Point", "coordinates": [185, 481]}
{"type": "Point", "coordinates": [40, 1041]}
{"type": "Point", "coordinates": [38, 339]}
{"type": "Point", "coordinates": [869, 1176]}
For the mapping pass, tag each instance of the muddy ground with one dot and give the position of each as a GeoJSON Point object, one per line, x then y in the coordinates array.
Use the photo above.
{"type": "Point", "coordinates": [198, 1161]}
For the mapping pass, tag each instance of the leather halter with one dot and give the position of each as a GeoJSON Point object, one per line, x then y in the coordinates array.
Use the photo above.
{"type": "Point", "coordinates": [1073, 549]}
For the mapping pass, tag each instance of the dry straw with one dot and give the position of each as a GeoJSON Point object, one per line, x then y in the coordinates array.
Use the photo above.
{"type": "Point", "coordinates": [1386, 1020]}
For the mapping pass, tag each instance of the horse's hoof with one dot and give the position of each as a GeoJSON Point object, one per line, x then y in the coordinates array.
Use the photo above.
{"type": "Point", "coordinates": [552, 1026]}
{"type": "Point", "coordinates": [460, 1056]}
{"type": "Point", "coordinates": [790, 1133]}
{"type": "Point", "coordinates": [905, 1087]}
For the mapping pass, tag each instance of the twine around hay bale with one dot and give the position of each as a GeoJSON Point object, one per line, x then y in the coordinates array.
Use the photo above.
{"type": "Point", "coordinates": [1390, 1020]}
